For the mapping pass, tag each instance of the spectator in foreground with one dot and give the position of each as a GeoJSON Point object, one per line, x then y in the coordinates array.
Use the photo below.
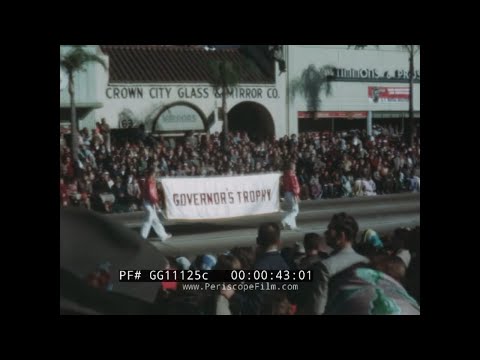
{"type": "Point", "coordinates": [316, 249]}
{"type": "Point", "coordinates": [341, 233]}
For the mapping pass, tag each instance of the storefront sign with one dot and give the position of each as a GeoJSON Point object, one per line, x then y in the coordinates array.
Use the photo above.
{"type": "Point", "coordinates": [378, 94]}
{"type": "Point", "coordinates": [344, 74]}
{"type": "Point", "coordinates": [179, 118]}
{"type": "Point", "coordinates": [188, 93]}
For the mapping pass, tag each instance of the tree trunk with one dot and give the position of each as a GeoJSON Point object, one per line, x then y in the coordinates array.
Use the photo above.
{"type": "Point", "coordinates": [74, 128]}
{"type": "Point", "coordinates": [225, 118]}
{"type": "Point", "coordinates": [411, 118]}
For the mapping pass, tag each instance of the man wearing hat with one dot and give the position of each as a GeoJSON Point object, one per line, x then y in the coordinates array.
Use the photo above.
{"type": "Point", "coordinates": [369, 244]}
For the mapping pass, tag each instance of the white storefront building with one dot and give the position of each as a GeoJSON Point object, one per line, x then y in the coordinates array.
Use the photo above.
{"type": "Point", "coordinates": [371, 80]}
{"type": "Point", "coordinates": [167, 89]}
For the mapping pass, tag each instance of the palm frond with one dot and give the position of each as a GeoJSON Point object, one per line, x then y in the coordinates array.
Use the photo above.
{"type": "Point", "coordinates": [296, 87]}
{"type": "Point", "coordinates": [77, 58]}
{"type": "Point", "coordinates": [214, 72]}
{"type": "Point", "coordinates": [327, 88]}
{"type": "Point", "coordinates": [232, 74]}
{"type": "Point", "coordinates": [223, 73]}
{"type": "Point", "coordinates": [311, 83]}
{"type": "Point", "coordinates": [360, 47]}
{"type": "Point", "coordinates": [97, 59]}
{"type": "Point", "coordinates": [411, 49]}
{"type": "Point", "coordinates": [327, 71]}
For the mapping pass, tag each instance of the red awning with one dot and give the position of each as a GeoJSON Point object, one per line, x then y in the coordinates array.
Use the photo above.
{"type": "Point", "coordinates": [333, 114]}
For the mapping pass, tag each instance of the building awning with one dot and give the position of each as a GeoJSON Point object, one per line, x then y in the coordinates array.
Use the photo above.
{"type": "Point", "coordinates": [394, 114]}
{"type": "Point", "coordinates": [356, 114]}
{"type": "Point", "coordinates": [333, 114]}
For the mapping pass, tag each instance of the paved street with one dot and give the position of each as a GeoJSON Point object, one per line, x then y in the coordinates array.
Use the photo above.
{"type": "Point", "coordinates": [382, 213]}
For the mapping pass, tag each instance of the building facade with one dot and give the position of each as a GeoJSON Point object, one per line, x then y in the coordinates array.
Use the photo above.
{"type": "Point", "coordinates": [373, 81]}
{"type": "Point", "coordinates": [169, 89]}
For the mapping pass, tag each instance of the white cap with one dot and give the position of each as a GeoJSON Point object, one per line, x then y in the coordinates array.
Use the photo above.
{"type": "Point", "coordinates": [405, 255]}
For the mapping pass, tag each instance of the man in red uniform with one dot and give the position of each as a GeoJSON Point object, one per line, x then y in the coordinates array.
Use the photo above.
{"type": "Point", "coordinates": [292, 196]}
{"type": "Point", "coordinates": [150, 202]}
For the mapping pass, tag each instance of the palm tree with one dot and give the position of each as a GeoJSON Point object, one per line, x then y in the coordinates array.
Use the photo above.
{"type": "Point", "coordinates": [75, 60]}
{"type": "Point", "coordinates": [311, 83]}
{"type": "Point", "coordinates": [411, 50]}
{"type": "Point", "coordinates": [224, 76]}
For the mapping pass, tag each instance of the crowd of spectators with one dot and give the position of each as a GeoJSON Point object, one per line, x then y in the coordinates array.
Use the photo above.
{"type": "Point", "coordinates": [392, 260]}
{"type": "Point", "coordinates": [329, 165]}
{"type": "Point", "coordinates": [354, 273]}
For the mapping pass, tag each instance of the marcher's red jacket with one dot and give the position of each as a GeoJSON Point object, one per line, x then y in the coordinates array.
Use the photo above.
{"type": "Point", "coordinates": [149, 191]}
{"type": "Point", "coordinates": [290, 183]}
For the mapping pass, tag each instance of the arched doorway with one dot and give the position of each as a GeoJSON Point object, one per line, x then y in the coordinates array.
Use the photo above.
{"type": "Point", "coordinates": [253, 118]}
{"type": "Point", "coordinates": [180, 116]}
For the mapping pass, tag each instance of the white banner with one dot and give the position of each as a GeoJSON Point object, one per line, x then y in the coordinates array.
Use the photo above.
{"type": "Point", "coordinates": [193, 198]}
